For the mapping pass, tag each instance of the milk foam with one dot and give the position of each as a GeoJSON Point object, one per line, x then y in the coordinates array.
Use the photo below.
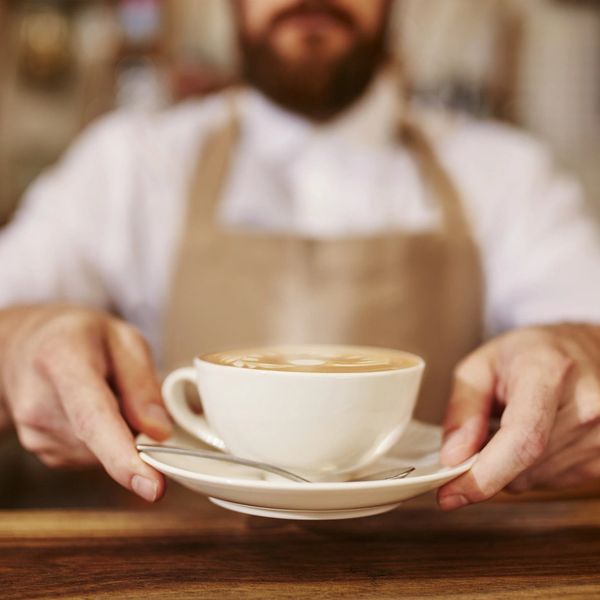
{"type": "Point", "coordinates": [318, 359]}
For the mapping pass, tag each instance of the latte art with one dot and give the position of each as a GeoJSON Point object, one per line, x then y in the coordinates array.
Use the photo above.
{"type": "Point", "coordinates": [314, 359]}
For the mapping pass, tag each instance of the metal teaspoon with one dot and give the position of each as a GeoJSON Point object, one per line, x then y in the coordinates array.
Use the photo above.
{"type": "Point", "coordinates": [397, 473]}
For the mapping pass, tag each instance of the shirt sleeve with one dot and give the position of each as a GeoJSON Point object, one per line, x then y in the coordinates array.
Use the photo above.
{"type": "Point", "coordinates": [52, 250]}
{"type": "Point", "coordinates": [540, 241]}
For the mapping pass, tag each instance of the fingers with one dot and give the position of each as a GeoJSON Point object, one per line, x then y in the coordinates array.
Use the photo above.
{"type": "Point", "coordinates": [96, 421]}
{"type": "Point", "coordinates": [579, 414]}
{"type": "Point", "coordinates": [64, 448]}
{"type": "Point", "coordinates": [61, 402]}
{"type": "Point", "coordinates": [575, 436]}
{"type": "Point", "coordinates": [533, 392]}
{"type": "Point", "coordinates": [42, 425]}
{"type": "Point", "coordinates": [579, 474]}
{"type": "Point", "coordinates": [540, 475]}
{"type": "Point", "coordinates": [467, 416]}
{"type": "Point", "coordinates": [53, 452]}
{"type": "Point", "coordinates": [136, 382]}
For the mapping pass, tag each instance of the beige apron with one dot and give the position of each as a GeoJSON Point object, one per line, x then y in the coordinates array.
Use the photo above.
{"type": "Point", "coordinates": [420, 292]}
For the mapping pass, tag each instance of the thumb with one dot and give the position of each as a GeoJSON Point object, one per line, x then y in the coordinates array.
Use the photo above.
{"type": "Point", "coordinates": [467, 416]}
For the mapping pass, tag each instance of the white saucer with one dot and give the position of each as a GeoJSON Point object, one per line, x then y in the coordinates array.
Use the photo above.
{"type": "Point", "coordinates": [246, 490]}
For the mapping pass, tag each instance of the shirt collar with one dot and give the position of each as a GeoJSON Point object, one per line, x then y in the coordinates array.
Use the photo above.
{"type": "Point", "coordinates": [278, 134]}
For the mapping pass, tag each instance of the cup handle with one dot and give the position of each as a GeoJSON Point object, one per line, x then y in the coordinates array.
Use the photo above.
{"type": "Point", "coordinates": [173, 391]}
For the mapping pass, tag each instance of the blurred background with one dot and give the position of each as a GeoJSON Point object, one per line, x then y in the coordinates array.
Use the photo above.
{"type": "Point", "coordinates": [535, 63]}
{"type": "Point", "coordinates": [63, 63]}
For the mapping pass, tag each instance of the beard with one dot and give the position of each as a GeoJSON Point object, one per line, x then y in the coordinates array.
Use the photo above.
{"type": "Point", "coordinates": [314, 88]}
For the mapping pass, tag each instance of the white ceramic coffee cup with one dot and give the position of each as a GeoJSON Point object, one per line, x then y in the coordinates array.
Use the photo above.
{"type": "Point", "coordinates": [323, 425]}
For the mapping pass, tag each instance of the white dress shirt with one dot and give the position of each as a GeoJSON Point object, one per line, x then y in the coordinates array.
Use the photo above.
{"type": "Point", "coordinates": [101, 227]}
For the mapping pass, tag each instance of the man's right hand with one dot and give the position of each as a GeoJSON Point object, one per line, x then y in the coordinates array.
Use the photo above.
{"type": "Point", "coordinates": [73, 382]}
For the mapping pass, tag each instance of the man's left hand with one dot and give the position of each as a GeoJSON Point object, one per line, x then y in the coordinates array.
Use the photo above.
{"type": "Point", "coordinates": [545, 383]}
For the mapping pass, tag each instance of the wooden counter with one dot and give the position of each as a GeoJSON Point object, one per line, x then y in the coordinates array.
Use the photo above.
{"type": "Point", "coordinates": [508, 549]}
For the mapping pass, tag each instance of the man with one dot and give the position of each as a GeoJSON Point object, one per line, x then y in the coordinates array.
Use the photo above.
{"type": "Point", "coordinates": [318, 210]}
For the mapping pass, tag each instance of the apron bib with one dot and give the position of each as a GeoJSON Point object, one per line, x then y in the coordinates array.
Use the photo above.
{"type": "Point", "coordinates": [420, 292]}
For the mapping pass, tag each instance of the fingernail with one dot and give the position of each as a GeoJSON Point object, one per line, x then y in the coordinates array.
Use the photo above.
{"type": "Point", "coordinates": [159, 416]}
{"type": "Point", "coordinates": [454, 448]}
{"type": "Point", "coordinates": [144, 487]}
{"type": "Point", "coordinates": [453, 502]}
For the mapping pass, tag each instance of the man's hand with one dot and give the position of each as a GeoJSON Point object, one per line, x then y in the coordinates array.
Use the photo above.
{"type": "Point", "coordinates": [70, 379]}
{"type": "Point", "coordinates": [545, 382]}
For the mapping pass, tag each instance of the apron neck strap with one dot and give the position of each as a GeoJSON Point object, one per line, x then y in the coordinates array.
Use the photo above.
{"type": "Point", "coordinates": [215, 156]}
{"type": "Point", "coordinates": [435, 176]}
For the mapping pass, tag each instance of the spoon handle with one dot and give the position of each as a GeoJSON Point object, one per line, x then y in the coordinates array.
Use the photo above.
{"type": "Point", "coordinates": [220, 456]}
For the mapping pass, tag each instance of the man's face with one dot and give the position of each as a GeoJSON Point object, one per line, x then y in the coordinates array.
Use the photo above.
{"type": "Point", "coordinates": [312, 56]}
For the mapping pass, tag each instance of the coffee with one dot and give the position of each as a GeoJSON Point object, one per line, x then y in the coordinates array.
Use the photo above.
{"type": "Point", "coordinates": [320, 359]}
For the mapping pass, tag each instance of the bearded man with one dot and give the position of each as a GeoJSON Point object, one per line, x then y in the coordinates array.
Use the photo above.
{"type": "Point", "coordinates": [313, 203]}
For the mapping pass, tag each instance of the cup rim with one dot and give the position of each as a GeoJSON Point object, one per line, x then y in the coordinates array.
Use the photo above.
{"type": "Point", "coordinates": [419, 366]}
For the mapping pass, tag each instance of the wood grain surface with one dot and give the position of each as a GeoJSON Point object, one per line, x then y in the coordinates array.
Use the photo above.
{"type": "Point", "coordinates": [520, 550]}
